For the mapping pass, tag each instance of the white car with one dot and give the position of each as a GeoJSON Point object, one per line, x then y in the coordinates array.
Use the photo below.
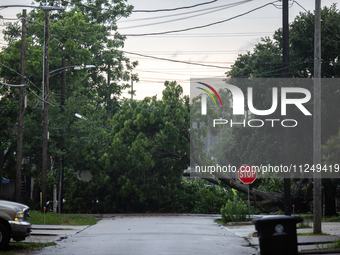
{"type": "Point", "coordinates": [14, 222]}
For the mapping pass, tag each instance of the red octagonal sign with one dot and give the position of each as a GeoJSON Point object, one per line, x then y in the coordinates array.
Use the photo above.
{"type": "Point", "coordinates": [247, 174]}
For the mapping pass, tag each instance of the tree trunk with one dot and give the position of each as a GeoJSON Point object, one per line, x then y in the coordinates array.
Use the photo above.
{"type": "Point", "coordinates": [301, 199]}
{"type": "Point", "coordinates": [329, 188]}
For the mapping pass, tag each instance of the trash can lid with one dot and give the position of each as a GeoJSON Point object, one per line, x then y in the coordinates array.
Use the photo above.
{"type": "Point", "coordinates": [270, 218]}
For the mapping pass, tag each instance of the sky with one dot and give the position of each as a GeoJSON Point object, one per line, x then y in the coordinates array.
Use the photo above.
{"type": "Point", "coordinates": [214, 47]}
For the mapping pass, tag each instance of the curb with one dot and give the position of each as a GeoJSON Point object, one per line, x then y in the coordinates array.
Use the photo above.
{"type": "Point", "coordinates": [38, 234]}
{"type": "Point", "coordinates": [113, 215]}
{"type": "Point", "coordinates": [240, 223]}
{"type": "Point", "coordinates": [330, 251]}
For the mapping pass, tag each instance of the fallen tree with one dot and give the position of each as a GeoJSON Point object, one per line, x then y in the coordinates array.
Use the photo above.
{"type": "Point", "coordinates": [300, 197]}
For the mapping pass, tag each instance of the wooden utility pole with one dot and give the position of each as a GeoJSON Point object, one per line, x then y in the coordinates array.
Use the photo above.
{"type": "Point", "coordinates": [317, 208]}
{"type": "Point", "coordinates": [286, 131]}
{"type": "Point", "coordinates": [45, 110]}
{"type": "Point", "coordinates": [20, 138]}
{"type": "Point", "coordinates": [61, 177]}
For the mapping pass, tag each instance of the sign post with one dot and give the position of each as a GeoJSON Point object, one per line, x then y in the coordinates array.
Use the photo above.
{"type": "Point", "coordinates": [247, 175]}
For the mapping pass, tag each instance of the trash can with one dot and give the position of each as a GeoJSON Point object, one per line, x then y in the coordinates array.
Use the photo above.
{"type": "Point", "coordinates": [277, 234]}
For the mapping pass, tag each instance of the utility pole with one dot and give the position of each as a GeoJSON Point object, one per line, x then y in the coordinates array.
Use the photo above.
{"type": "Point", "coordinates": [286, 131]}
{"type": "Point", "coordinates": [131, 87]}
{"type": "Point", "coordinates": [45, 108]}
{"type": "Point", "coordinates": [61, 177]}
{"type": "Point", "coordinates": [20, 137]}
{"type": "Point", "coordinates": [317, 208]}
{"type": "Point", "coordinates": [46, 76]}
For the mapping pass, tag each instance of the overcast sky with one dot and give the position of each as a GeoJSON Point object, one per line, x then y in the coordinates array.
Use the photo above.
{"type": "Point", "coordinates": [217, 45]}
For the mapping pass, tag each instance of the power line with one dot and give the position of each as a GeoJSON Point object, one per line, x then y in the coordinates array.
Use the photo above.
{"type": "Point", "coordinates": [147, 71]}
{"type": "Point", "coordinates": [9, 18]}
{"type": "Point", "coordinates": [203, 26]}
{"type": "Point", "coordinates": [227, 6]}
{"type": "Point", "coordinates": [174, 15]}
{"type": "Point", "coordinates": [67, 30]}
{"type": "Point", "coordinates": [275, 70]}
{"type": "Point", "coordinates": [173, 60]}
{"type": "Point", "coordinates": [159, 33]}
{"type": "Point", "coordinates": [196, 54]}
{"type": "Point", "coordinates": [181, 35]}
{"type": "Point", "coordinates": [280, 6]}
{"type": "Point", "coordinates": [153, 57]}
{"type": "Point", "coordinates": [160, 10]}
{"type": "Point", "coordinates": [176, 9]}
{"type": "Point", "coordinates": [193, 51]}
{"type": "Point", "coordinates": [218, 34]}
{"type": "Point", "coordinates": [83, 5]}
{"type": "Point", "coordinates": [12, 85]}
{"type": "Point", "coordinates": [168, 32]}
{"type": "Point", "coordinates": [300, 6]}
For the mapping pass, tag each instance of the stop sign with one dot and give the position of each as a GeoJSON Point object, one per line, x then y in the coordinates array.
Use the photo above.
{"type": "Point", "coordinates": [247, 174]}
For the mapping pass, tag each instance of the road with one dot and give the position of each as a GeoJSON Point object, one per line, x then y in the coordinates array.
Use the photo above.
{"type": "Point", "coordinates": [153, 235]}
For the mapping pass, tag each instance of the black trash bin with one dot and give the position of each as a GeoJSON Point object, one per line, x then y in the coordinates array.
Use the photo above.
{"type": "Point", "coordinates": [277, 234]}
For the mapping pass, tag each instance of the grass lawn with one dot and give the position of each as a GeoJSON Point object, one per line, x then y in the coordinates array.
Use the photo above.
{"type": "Point", "coordinates": [332, 219]}
{"type": "Point", "coordinates": [61, 219]}
{"type": "Point", "coordinates": [335, 245]}
{"type": "Point", "coordinates": [24, 248]}
{"type": "Point", "coordinates": [312, 234]}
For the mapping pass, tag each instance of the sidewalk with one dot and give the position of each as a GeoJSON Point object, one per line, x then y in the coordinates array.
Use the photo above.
{"type": "Point", "coordinates": [52, 233]}
{"type": "Point", "coordinates": [306, 244]}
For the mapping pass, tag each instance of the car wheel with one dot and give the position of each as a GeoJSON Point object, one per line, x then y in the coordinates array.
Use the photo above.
{"type": "Point", "coordinates": [4, 237]}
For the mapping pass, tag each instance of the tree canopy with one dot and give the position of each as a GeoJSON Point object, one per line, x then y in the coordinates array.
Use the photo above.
{"type": "Point", "coordinates": [82, 34]}
{"type": "Point", "coordinates": [265, 61]}
{"type": "Point", "coordinates": [257, 68]}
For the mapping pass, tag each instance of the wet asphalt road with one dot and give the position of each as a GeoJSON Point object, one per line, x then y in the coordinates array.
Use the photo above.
{"type": "Point", "coordinates": [152, 235]}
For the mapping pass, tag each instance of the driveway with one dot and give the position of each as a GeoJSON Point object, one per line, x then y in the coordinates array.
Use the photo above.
{"type": "Point", "coordinates": [153, 235]}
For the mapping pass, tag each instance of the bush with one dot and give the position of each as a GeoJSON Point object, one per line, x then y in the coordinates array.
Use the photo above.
{"type": "Point", "coordinates": [198, 196]}
{"type": "Point", "coordinates": [234, 211]}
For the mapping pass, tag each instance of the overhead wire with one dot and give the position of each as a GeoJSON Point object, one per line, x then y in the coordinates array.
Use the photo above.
{"type": "Point", "coordinates": [227, 6]}
{"type": "Point", "coordinates": [160, 10]}
{"type": "Point", "coordinates": [153, 57]}
{"type": "Point", "coordinates": [148, 71]}
{"type": "Point", "coordinates": [181, 35]}
{"type": "Point", "coordinates": [12, 85]}
{"type": "Point", "coordinates": [172, 31]}
{"type": "Point", "coordinates": [191, 28]}
{"type": "Point", "coordinates": [211, 35]}
{"type": "Point", "coordinates": [26, 84]}
{"type": "Point", "coordinates": [173, 60]}
{"type": "Point", "coordinates": [173, 15]}
{"type": "Point", "coordinates": [280, 6]}
{"type": "Point", "coordinates": [276, 70]}
{"type": "Point", "coordinates": [28, 80]}
{"type": "Point", "coordinates": [177, 8]}
{"type": "Point", "coordinates": [6, 107]}
{"type": "Point", "coordinates": [202, 26]}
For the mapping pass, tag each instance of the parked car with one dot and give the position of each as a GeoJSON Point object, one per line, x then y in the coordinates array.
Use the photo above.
{"type": "Point", "coordinates": [14, 222]}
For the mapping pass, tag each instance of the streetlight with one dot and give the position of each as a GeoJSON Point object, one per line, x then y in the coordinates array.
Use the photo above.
{"type": "Point", "coordinates": [76, 67]}
{"type": "Point", "coordinates": [79, 116]}
{"type": "Point", "coordinates": [63, 85]}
